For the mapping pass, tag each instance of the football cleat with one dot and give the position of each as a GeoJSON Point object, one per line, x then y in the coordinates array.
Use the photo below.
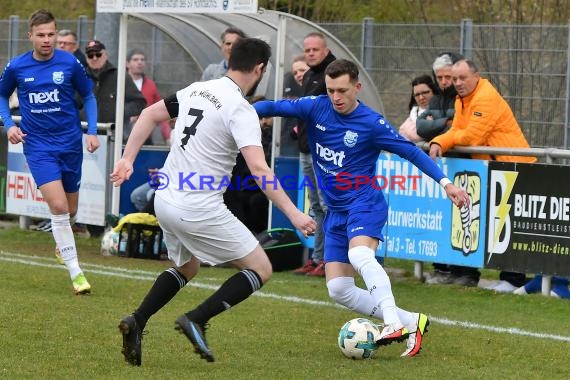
{"type": "Point", "coordinates": [416, 337]}
{"type": "Point", "coordinates": [80, 285]}
{"type": "Point", "coordinates": [196, 333]}
{"type": "Point", "coordinates": [392, 333]}
{"type": "Point", "coordinates": [58, 257]}
{"type": "Point", "coordinates": [132, 337]}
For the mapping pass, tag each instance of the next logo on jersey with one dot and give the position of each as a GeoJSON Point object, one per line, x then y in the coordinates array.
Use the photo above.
{"type": "Point", "coordinates": [328, 154]}
{"type": "Point", "coordinates": [44, 97]}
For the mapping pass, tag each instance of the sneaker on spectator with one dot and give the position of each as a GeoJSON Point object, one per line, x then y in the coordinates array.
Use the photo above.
{"type": "Point", "coordinates": [439, 278]}
{"type": "Point", "coordinates": [504, 287]}
{"type": "Point", "coordinates": [309, 266]}
{"type": "Point", "coordinates": [319, 270]}
{"type": "Point", "coordinates": [465, 281]}
{"type": "Point", "coordinates": [44, 226]}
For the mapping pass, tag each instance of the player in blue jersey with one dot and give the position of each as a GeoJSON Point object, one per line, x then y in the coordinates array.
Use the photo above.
{"type": "Point", "coordinates": [50, 131]}
{"type": "Point", "coordinates": [346, 137]}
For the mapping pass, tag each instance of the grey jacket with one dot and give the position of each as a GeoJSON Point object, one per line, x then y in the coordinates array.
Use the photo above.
{"type": "Point", "coordinates": [441, 109]}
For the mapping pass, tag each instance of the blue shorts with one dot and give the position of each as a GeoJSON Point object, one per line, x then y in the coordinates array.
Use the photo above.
{"type": "Point", "coordinates": [341, 226]}
{"type": "Point", "coordinates": [52, 166]}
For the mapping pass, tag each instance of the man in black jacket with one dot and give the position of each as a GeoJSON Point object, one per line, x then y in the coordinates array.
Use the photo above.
{"type": "Point", "coordinates": [318, 57]}
{"type": "Point", "coordinates": [104, 75]}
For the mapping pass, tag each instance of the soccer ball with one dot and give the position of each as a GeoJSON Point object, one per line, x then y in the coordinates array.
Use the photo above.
{"type": "Point", "coordinates": [357, 339]}
{"type": "Point", "coordinates": [110, 243]}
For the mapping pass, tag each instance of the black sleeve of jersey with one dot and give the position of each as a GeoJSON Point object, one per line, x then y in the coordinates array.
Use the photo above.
{"type": "Point", "coordinates": [171, 103]}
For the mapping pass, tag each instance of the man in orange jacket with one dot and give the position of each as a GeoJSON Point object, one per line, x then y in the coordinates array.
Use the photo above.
{"type": "Point", "coordinates": [482, 118]}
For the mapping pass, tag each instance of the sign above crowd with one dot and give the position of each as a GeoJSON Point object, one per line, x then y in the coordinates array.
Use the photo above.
{"type": "Point", "coordinates": [177, 6]}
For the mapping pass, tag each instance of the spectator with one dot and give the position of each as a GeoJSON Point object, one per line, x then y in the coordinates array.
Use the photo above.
{"type": "Point", "coordinates": [293, 82]}
{"type": "Point", "coordinates": [439, 115]}
{"type": "Point", "coordinates": [104, 75]}
{"type": "Point", "coordinates": [292, 89]}
{"type": "Point", "coordinates": [423, 89]}
{"type": "Point", "coordinates": [482, 118]}
{"type": "Point", "coordinates": [299, 67]}
{"type": "Point", "coordinates": [431, 123]}
{"type": "Point", "coordinates": [218, 70]}
{"type": "Point", "coordinates": [244, 198]}
{"type": "Point", "coordinates": [318, 56]}
{"type": "Point", "coordinates": [67, 40]}
{"type": "Point", "coordinates": [136, 64]}
{"type": "Point", "coordinates": [142, 197]}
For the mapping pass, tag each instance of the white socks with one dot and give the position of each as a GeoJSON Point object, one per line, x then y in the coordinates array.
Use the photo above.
{"type": "Point", "coordinates": [377, 281]}
{"type": "Point", "coordinates": [344, 291]}
{"type": "Point", "coordinates": [65, 241]}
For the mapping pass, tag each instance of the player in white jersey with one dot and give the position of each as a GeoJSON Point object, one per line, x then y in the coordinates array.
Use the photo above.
{"type": "Point", "coordinates": [214, 121]}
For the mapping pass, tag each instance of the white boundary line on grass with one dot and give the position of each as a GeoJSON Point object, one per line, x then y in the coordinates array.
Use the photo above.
{"type": "Point", "coordinates": [134, 274]}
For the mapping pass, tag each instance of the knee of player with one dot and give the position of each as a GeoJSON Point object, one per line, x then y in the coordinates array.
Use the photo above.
{"type": "Point", "coordinates": [59, 206]}
{"type": "Point", "coordinates": [265, 272]}
{"type": "Point", "coordinates": [341, 290]}
{"type": "Point", "coordinates": [189, 269]}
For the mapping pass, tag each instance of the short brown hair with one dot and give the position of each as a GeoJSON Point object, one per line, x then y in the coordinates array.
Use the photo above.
{"type": "Point", "coordinates": [341, 67]}
{"type": "Point", "coordinates": [40, 17]}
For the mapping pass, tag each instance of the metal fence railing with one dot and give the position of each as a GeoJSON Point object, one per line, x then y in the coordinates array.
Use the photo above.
{"type": "Point", "coordinates": [529, 64]}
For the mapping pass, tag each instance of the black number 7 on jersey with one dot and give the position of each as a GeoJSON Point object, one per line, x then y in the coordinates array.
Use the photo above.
{"type": "Point", "coordinates": [191, 130]}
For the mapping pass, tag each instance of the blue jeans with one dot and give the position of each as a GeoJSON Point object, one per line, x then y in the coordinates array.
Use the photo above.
{"type": "Point", "coordinates": [317, 205]}
{"type": "Point", "coordinates": [141, 195]}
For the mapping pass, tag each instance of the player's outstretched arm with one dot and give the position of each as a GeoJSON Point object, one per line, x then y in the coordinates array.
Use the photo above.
{"type": "Point", "coordinates": [270, 186]}
{"type": "Point", "coordinates": [458, 196]}
{"type": "Point", "coordinates": [149, 118]}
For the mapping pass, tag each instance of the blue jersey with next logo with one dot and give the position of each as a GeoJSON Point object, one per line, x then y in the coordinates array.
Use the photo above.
{"type": "Point", "coordinates": [345, 149]}
{"type": "Point", "coordinates": [46, 93]}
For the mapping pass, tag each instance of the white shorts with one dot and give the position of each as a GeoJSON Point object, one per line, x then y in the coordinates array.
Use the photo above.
{"type": "Point", "coordinates": [213, 236]}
